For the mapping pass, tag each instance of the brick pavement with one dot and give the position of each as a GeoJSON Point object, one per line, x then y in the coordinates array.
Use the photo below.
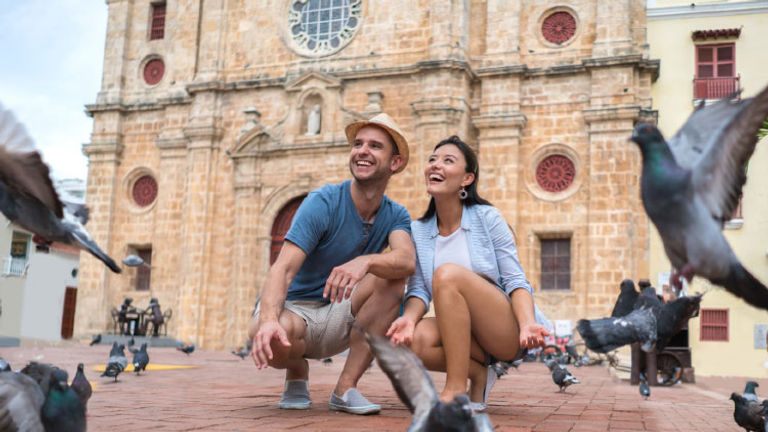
{"type": "Point", "coordinates": [224, 393]}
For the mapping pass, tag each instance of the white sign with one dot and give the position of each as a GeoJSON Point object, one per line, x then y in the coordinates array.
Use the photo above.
{"type": "Point", "coordinates": [562, 328]}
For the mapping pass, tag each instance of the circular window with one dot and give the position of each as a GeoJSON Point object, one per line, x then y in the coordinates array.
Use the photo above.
{"type": "Point", "coordinates": [145, 191]}
{"type": "Point", "coordinates": [153, 71]}
{"type": "Point", "coordinates": [555, 173]}
{"type": "Point", "coordinates": [322, 27]}
{"type": "Point", "coordinates": [558, 27]}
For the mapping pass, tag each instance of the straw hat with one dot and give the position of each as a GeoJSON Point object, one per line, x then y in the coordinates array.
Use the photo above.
{"type": "Point", "coordinates": [385, 122]}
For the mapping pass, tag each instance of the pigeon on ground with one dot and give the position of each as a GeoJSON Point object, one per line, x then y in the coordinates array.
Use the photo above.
{"type": "Point", "coordinates": [748, 414]}
{"type": "Point", "coordinates": [562, 377]}
{"type": "Point", "coordinates": [645, 391]}
{"type": "Point", "coordinates": [63, 410]}
{"type": "Point", "coordinates": [607, 334]}
{"type": "Point", "coordinates": [28, 198]}
{"type": "Point", "coordinates": [4, 365]}
{"type": "Point", "coordinates": [95, 339]}
{"type": "Point", "coordinates": [242, 352]}
{"type": "Point", "coordinates": [674, 316]}
{"type": "Point", "coordinates": [117, 361]}
{"type": "Point", "coordinates": [186, 349]}
{"type": "Point", "coordinates": [691, 185]}
{"type": "Point", "coordinates": [749, 392]}
{"type": "Point", "coordinates": [502, 367]}
{"type": "Point", "coordinates": [81, 386]}
{"type": "Point", "coordinates": [141, 359]}
{"type": "Point", "coordinates": [42, 373]}
{"type": "Point", "coordinates": [20, 403]}
{"type": "Point", "coordinates": [415, 388]}
{"type": "Point", "coordinates": [626, 301]}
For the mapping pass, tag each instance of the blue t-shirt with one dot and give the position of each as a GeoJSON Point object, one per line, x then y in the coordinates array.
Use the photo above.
{"type": "Point", "coordinates": [329, 230]}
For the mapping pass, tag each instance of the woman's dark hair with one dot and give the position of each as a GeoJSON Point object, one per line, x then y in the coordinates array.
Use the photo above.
{"type": "Point", "coordinates": [469, 155]}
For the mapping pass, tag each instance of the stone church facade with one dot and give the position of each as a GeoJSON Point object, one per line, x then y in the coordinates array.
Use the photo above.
{"type": "Point", "coordinates": [215, 117]}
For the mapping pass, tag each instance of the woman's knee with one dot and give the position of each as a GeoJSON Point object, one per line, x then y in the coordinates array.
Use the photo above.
{"type": "Point", "coordinates": [446, 277]}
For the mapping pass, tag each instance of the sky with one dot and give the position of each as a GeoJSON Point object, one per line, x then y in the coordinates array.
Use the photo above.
{"type": "Point", "coordinates": [51, 58]}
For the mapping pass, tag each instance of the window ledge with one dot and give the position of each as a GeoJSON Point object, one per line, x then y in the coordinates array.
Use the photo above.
{"type": "Point", "coordinates": [734, 224]}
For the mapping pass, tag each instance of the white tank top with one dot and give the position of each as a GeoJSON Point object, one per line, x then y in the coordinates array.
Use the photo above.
{"type": "Point", "coordinates": [453, 249]}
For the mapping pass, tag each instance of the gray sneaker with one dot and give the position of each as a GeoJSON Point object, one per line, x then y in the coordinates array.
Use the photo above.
{"type": "Point", "coordinates": [295, 395]}
{"type": "Point", "coordinates": [353, 402]}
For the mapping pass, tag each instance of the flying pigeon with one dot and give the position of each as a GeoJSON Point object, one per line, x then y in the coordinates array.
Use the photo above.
{"type": "Point", "coordinates": [117, 361]}
{"type": "Point", "coordinates": [502, 367]}
{"type": "Point", "coordinates": [141, 359]}
{"type": "Point", "coordinates": [81, 386]}
{"type": "Point", "coordinates": [626, 301]}
{"type": "Point", "coordinates": [748, 414]}
{"type": "Point", "coordinates": [28, 198]}
{"type": "Point", "coordinates": [415, 388]}
{"type": "Point", "coordinates": [134, 260]}
{"type": "Point", "coordinates": [562, 377]}
{"type": "Point", "coordinates": [186, 349]}
{"type": "Point", "coordinates": [95, 339]}
{"type": "Point", "coordinates": [691, 185]}
{"type": "Point", "coordinates": [607, 334]}
{"type": "Point", "coordinates": [673, 317]}
{"type": "Point", "coordinates": [645, 391]}
{"type": "Point", "coordinates": [20, 403]}
{"type": "Point", "coordinates": [749, 392]}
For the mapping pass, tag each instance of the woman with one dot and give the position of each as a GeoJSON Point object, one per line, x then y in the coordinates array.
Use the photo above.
{"type": "Point", "coordinates": [467, 263]}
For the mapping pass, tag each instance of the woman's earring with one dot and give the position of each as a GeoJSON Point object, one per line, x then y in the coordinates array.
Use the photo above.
{"type": "Point", "coordinates": [463, 194]}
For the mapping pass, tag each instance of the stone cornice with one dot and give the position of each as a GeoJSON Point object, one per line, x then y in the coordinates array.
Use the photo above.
{"type": "Point", "coordinates": [707, 10]}
{"type": "Point", "coordinates": [511, 120]}
{"type": "Point", "coordinates": [206, 132]}
{"type": "Point", "coordinates": [91, 109]}
{"type": "Point", "coordinates": [108, 148]}
{"type": "Point", "coordinates": [627, 112]}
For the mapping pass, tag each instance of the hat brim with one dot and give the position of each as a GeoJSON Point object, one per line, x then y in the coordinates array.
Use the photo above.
{"type": "Point", "coordinates": [400, 141]}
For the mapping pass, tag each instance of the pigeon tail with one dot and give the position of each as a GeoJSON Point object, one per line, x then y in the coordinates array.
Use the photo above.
{"type": "Point", "coordinates": [742, 284]}
{"type": "Point", "coordinates": [91, 246]}
{"type": "Point", "coordinates": [607, 334]}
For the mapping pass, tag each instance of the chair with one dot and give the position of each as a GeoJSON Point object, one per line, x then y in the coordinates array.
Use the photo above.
{"type": "Point", "coordinates": [115, 319]}
{"type": "Point", "coordinates": [166, 317]}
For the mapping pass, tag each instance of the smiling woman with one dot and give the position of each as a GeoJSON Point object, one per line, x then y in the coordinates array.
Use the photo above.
{"type": "Point", "coordinates": [51, 79]}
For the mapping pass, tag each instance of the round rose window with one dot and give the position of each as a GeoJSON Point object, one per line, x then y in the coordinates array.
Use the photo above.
{"type": "Point", "coordinates": [153, 71]}
{"type": "Point", "coordinates": [555, 173]}
{"type": "Point", "coordinates": [145, 191]}
{"type": "Point", "coordinates": [559, 27]}
{"type": "Point", "coordinates": [322, 27]}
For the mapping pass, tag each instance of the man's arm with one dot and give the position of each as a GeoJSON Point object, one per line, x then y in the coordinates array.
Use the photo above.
{"type": "Point", "coordinates": [398, 263]}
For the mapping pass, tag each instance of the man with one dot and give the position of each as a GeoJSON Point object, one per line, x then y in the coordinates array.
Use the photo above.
{"type": "Point", "coordinates": [331, 272]}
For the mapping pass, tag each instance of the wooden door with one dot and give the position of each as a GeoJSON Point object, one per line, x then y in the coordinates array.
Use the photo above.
{"type": "Point", "coordinates": [68, 315]}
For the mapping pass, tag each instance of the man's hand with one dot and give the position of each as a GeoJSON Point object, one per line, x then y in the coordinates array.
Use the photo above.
{"type": "Point", "coordinates": [533, 335]}
{"type": "Point", "coordinates": [262, 350]}
{"type": "Point", "coordinates": [401, 331]}
{"type": "Point", "coordinates": [344, 279]}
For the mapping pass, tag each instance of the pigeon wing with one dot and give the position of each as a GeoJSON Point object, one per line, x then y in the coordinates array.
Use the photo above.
{"type": "Point", "coordinates": [21, 167]}
{"type": "Point", "coordinates": [715, 144]}
{"type": "Point", "coordinates": [411, 381]}
{"type": "Point", "coordinates": [20, 403]}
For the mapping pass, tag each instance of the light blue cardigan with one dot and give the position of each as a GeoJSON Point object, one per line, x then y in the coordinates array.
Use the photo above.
{"type": "Point", "coordinates": [492, 251]}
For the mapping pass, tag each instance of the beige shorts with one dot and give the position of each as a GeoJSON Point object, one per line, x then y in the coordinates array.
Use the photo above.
{"type": "Point", "coordinates": [328, 325]}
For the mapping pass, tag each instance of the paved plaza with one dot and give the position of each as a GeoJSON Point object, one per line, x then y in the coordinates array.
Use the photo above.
{"type": "Point", "coordinates": [221, 392]}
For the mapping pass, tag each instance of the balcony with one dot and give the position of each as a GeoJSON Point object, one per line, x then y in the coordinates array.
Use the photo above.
{"type": "Point", "coordinates": [715, 88]}
{"type": "Point", "coordinates": [14, 266]}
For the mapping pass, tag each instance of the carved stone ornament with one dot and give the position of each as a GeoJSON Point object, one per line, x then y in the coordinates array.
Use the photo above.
{"type": "Point", "coordinates": [322, 27]}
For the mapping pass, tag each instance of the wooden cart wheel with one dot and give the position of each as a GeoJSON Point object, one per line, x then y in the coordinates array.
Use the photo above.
{"type": "Point", "coordinates": [669, 369]}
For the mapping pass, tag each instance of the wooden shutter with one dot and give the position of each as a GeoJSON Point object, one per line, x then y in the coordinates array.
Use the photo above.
{"type": "Point", "coordinates": [556, 264]}
{"type": "Point", "coordinates": [157, 29]}
{"type": "Point", "coordinates": [68, 315]}
{"type": "Point", "coordinates": [714, 325]}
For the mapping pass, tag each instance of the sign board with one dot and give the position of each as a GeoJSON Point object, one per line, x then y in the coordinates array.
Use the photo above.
{"type": "Point", "coordinates": [563, 328]}
{"type": "Point", "coordinates": [760, 333]}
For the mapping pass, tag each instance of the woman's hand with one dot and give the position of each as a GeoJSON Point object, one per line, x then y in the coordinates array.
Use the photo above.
{"type": "Point", "coordinates": [533, 335]}
{"type": "Point", "coordinates": [401, 331]}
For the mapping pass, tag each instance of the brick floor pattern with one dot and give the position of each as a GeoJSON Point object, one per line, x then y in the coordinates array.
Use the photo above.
{"type": "Point", "coordinates": [224, 393]}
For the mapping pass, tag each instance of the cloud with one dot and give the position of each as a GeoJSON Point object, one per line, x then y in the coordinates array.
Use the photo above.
{"type": "Point", "coordinates": [57, 51]}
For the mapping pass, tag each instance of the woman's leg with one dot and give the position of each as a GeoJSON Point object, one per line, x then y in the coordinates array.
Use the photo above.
{"type": "Point", "coordinates": [428, 346]}
{"type": "Point", "coordinates": [468, 306]}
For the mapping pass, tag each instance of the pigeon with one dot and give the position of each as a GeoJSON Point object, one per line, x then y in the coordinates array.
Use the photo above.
{"type": "Point", "coordinates": [748, 414]}
{"type": "Point", "coordinates": [242, 352]}
{"type": "Point", "coordinates": [645, 391]}
{"type": "Point", "coordinates": [649, 299]}
{"type": "Point", "coordinates": [141, 359]}
{"type": "Point", "coordinates": [4, 365]}
{"type": "Point", "coordinates": [28, 198]}
{"type": "Point", "coordinates": [749, 392]}
{"type": "Point", "coordinates": [562, 377]}
{"type": "Point", "coordinates": [95, 339]}
{"type": "Point", "coordinates": [502, 367]}
{"type": "Point", "coordinates": [42, 373]}
{"type": "Point", "coordinates": [691, 185]}
{"type": "Point", "coordinates": [81, 386]}
{"type": "Point", "coordinates": [607, 334]}
{"type": "Point", "coordinates": [626, 301]}
{"type": "Point", "coordinates": [117, 361]}
{"type": "Point", "coordinates": [415, 388]}
{"type": "Point", "coordinates": [674, 378]}
{"type": "Point", "coordinates": [134, 260]}
{"type": "Point", "coordinates": [673, 317]}
{"type": "Point", "coordinates": [20, 403]}
{"type": "Point", "coordinates": [186, 349]}
{"type": "Point", "coordinates": [63, 410]}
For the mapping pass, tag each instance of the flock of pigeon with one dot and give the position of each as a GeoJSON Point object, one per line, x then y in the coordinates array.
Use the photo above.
{"type": "Point", "coordinates": [690, 185]}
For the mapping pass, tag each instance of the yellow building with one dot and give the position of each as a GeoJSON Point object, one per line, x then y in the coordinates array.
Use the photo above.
{"type": "Point", "coordinates": [708, 49]}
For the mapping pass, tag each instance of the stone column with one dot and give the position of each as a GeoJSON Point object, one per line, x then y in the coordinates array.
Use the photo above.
{"type": "Point", "coordinates": [118, 29]}
{"type": "Point", "coordinates": [502, 33]}
{"type": "Point", "coordinates": [448, 29]}
{"type": "Point", "coordinates": [104, 155]}
{"type": "Point", "coordinates": [613, 27]}
{"type": "Point", "coordinates": [211, 42]}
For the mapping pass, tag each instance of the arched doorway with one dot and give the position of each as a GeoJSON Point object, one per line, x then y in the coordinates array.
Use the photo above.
{"type": "Point", "coordinates": [281, 225]}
